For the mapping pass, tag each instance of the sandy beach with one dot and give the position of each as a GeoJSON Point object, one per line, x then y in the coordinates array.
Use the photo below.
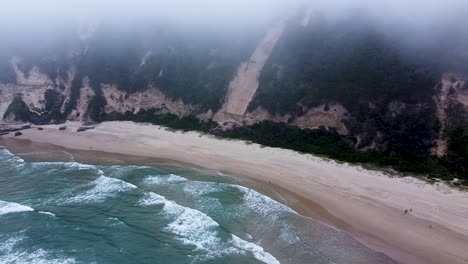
{"type": "Point", "coordinates": [368, 204]}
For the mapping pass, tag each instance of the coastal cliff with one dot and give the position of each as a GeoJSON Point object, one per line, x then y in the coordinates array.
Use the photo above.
{"type": "Point", "coordinates": [341, 89]}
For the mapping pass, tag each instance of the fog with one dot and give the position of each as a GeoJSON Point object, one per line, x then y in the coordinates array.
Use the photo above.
{"type": "Point", "coordinates": [413, 13]}
{"type": "Point", "coordinates": [412, 22]}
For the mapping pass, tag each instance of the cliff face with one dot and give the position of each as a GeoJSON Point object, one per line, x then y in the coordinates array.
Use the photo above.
{"type": "Point", "coordinates": [298, 70]}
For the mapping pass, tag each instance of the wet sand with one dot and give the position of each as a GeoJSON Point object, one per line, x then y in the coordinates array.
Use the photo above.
{"type": "Point", "coordinates": [367, 204]}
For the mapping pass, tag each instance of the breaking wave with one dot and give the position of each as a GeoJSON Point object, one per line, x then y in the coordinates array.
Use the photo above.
{"type": "Point", "coordinates": [195, 228]}
{"type": "Point", "coordinates": [103, 188]}
{"type": "Point", "coordinates": [10, 254]}
{"type": "Point", "coordinates": [7, 207]}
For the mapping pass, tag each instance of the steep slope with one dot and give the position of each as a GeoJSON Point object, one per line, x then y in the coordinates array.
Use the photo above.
{"type": "Point", "coordinates": [342, 89]}
{"type": "Point", "coordinates": [244, 85]}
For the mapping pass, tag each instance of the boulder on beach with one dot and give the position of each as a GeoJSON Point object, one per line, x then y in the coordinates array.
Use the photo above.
{"type": "Point", "coordinates": [40, 128]}
{"type": "Point", "coordinates": [62, 128]}
{"type": "Point", "coordinates": [18, 134]}
{"type": "Point", "coordinates": [84, 128]}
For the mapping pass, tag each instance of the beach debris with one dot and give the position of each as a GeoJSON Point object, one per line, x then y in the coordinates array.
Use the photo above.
{"type": "Point", "coordinates": [84, 128]}
{"type": "Point", "coordinates": [18, 134]}
{"type": "Point", "coordinates": [62, 128]}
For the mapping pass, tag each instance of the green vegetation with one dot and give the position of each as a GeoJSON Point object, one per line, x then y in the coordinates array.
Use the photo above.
{"type": "Point", "coordinates": [159, 117]}
{"type": "Point", "coordinates": [322, 142]}
{"type": "Point", "coordinates": [388, 94]}
{"type": "Point", "coordinates": [330, 144]}
{"type": "Point", "coordinates": [350, 65]}
{"type": "Point", "coordinates": [53, 103]}
{"type": "Point", "coordinates": [194, 68]}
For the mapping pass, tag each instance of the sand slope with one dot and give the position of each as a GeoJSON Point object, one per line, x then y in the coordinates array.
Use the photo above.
{"type": "Point", "coordinates": [244, 85]}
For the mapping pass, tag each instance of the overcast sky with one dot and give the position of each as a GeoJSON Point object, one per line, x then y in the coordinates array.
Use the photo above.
{"type": "Point", "coordinates": [24, 17]}
{"type": "Point", "coordinates": [417, 11]}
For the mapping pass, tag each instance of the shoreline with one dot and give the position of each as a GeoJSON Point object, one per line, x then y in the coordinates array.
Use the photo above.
{"type": "Point", "coordinates": [367, 204]}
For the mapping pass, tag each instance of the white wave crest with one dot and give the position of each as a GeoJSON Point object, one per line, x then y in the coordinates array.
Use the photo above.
{"type": "Point", "coordinates": [262, 204]}
{"type": "Point", "coordinates": [7, 207]}
{"type": "Point", "coordinates": [163, 179]}
{"type": "Point", "coordinates": [199, 188]}
{"type": "Point", "coordinates": [195, 228]}
{"type": "Point", "coordinates": [47, 213]}
{"type": "Point", "coordinates": [39, 256]}
{"type": "Point", "coordinates": [104, 187]}
{"type": "Point", "coordinates": [68, 165]}
{"type": "Point", "coordinates": [5, 152]}
{"type": "Point", "coordinates": [255, 201]}
{"type": "Point", "coordinates": [79, 166]}
{"type": "Point", "coordinates": [10, 254]}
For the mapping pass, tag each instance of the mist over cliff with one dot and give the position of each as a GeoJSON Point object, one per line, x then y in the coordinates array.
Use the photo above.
{"type": "Point", "coordinates": [359, 80]}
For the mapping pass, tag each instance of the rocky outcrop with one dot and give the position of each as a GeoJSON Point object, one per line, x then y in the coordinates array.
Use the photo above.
{"type": "Point", "coordinates": [325, 115]}
{"type": "Point", "coordinates": [121, 102]}
{"type": "Point", "coordinates": [86, 94]}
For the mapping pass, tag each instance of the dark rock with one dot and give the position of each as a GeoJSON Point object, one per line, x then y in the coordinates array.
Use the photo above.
{"type": "Point", "coordinates": [18, 134]}
{"type": "Point", "coordinates": [10, 129]}
{"type": "Point", "coordinates": [40, 128]}
{"type": "Point", "coordinates": [62, 128]}
{"type": "Point", "coordinates": [26, 127]}
{"type": "Point", "coordinates": [4, 133]}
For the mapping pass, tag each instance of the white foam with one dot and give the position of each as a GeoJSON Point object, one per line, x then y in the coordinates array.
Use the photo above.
{"type": "Point", "coordinates": [153, 199]}
{"type": "Point", "coordinates": [199, 188]}
{"type": "Point", "coordinates": [79, 166]}
{"type": "Point", "coordinates": [11, 156]}
{"type": "Point", "coordinates": [262, 204]}
{"type": "Point", "coordinates": [163, 179]}
{"type": "Point", "coordinates": [8, 245]}
{"type": "Point", "coordinates": [47, 213]}
{"type": "Point", "coordinates": [39, 256]}
{"type": "Point", "coordinates": [7, 207]}
{"type": "Point", "coordinates": [258, 252]}
{"type": "Point", "coordinates": [104, 187]}
{"type": "Point", "coordinates": [8, 254]}
{"type": "Point", "coordinates": [70, 165]}
{"type": "Point", "coordinates": [253, 200]}
{"type": "Point", "coordinates": [195, 228]}
{"type": "Point", "coordinates": [288, 235]}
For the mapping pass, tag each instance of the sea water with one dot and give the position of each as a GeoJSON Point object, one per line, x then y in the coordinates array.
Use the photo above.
{"type": "Point", "coordinates": [70, 212]}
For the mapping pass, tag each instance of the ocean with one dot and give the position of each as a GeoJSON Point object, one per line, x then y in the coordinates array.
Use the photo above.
{"type": "Point", "coordinates": [74, 212]}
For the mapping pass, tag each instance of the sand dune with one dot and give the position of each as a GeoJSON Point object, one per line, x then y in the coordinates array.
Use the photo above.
{"type": "Point", "coordinates": [367, 204]}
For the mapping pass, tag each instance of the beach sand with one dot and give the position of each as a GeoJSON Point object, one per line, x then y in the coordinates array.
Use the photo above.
{"type": "Point", "coordinates": [368, 204]}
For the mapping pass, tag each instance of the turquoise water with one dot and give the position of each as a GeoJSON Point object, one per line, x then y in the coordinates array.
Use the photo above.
{"type": "Point", "coordinates": [70, 212]}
